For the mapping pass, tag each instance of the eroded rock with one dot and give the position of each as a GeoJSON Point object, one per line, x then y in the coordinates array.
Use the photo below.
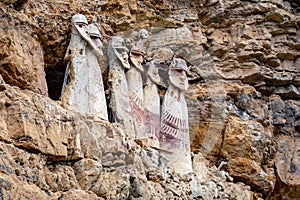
{"type": "Point", "coordinates": [223, 41]}
{"type": "Point", "coordinates": [22, 58]}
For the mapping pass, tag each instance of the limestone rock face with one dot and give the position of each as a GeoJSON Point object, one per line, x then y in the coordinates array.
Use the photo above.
{"type": "Point", "coordinates": [88, 160]}
{"type": "Point", "coordinates": [286, 127]}
{"type": "Point", "coordinates": [22, 59]}
{"type": "Point", "coordinates": [249, 136]}
{"type": "Point", "coordinates": [243, 101]}
{"type": "Point", "coordinates": [33, 122]}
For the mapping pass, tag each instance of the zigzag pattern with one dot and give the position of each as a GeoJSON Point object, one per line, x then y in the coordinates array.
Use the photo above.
{"type": "Point", "coordinates": [135, 97]}
{"type": "Point", "coordinates": [173, 126]}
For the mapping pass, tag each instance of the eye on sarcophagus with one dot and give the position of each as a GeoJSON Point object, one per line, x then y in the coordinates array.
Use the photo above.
{"type": "Point", "coordinates": [83, 90]}
{"type": "Point", "coordinates": [134, 99]}
{"type": "Point", "coordinates": [174, 133]}
{"type": "Point", "coordinates": [152, 105]}
{"type": "Point", "coordinates": [135, 85]}
{"type": "Point", "coordinates": [119, 98]}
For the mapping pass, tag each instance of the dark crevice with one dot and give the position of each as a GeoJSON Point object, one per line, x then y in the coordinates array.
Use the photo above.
{"type": "Point", "coordinates": [55, 78]}
{"type": "Point", "coordinates": [18, 5]}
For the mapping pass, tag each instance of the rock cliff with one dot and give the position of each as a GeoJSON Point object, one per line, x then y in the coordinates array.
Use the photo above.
{"type": "Point", "coordinates": [243, 101]}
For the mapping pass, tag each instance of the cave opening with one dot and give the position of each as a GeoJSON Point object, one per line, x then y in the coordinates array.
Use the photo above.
{"type": "Point", "coordinates": [55, 78]}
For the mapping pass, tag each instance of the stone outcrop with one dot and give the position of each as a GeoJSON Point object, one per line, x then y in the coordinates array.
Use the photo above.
{"type": "Point", "coordinates": [85, 159]}
{"type": "Point", "coordinates": [22, 60]}
{"type": "Point", "coordinates": [243, 102]}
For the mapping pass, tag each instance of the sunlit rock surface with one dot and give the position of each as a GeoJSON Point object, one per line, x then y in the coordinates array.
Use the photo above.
{"type": "Point", "coordinates": [243, 102]}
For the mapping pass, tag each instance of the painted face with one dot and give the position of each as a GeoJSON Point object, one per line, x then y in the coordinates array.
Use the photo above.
{"type": "Point", "coordinates": [94, 31]}
{"type": "Point", "coordinates": [95, 35]}
{"type": "Point", "coordinates": [79, 18]}
{"type": "Point", "coordinates": [79, 22]}
{"type": "Point", "coordinates": [122, 54]}
{"type": "Point", "coordinates": [137, 59]}
{"type": "Point", "coordinates": [81, 29]}
{"type": "Point", "coordinates": [178, 78]}
{"type": "Point", "coordinates": [143, 34]}
{"type": "Point", "coordinates": [153, 73]}
{"type": "Point", "coordinates": [81, 25]}
{"type": "Point", "coordinates": [117, 47]}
